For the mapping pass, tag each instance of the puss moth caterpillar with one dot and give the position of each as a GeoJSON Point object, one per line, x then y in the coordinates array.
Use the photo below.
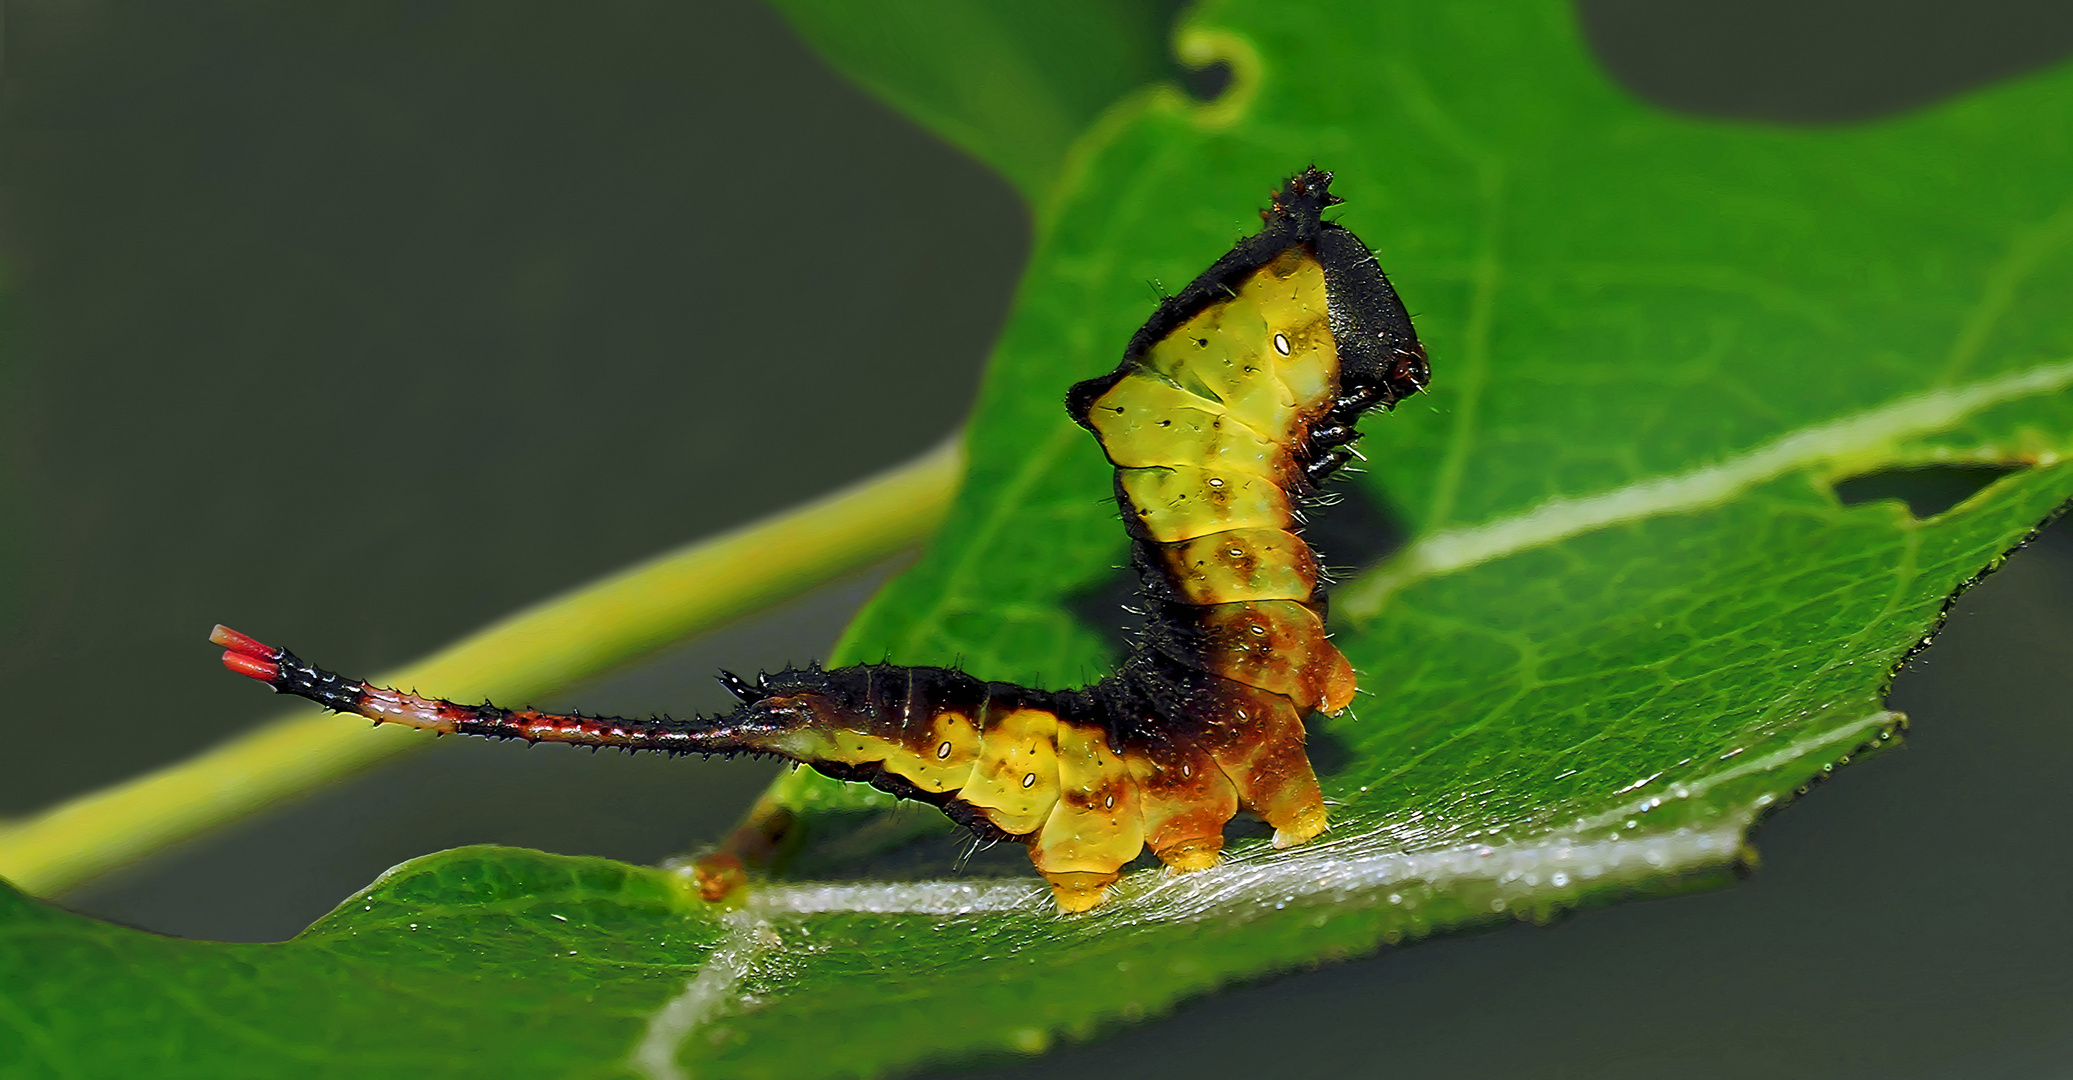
{"type": "Point", "coordinates": [1231, 405]}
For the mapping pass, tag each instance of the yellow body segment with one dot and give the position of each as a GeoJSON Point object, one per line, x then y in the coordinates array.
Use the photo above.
{"type": "Point", "coordinates": [936, 753]}
{"type": "Point", "coordinates": [1015, 779]}
{"type": "Point", "coordinates": [1181, 502]}
{"type": "Point", "coordinates": [1241, 564]}
{"type": "Point", "coordinates": [1096, 827]}
{"type": "Point", "coordinates": [1263, 360]}
{"type": "Point", "coordinates": [1224, 351]}
{"type": "Point", "coordinates": [1290, 294]}
{"type": "Point", "coordinates": [941, 758]}
{"type": "Point", "coordinates": [1146, 421]}
{"type": "Point", "coordinates": [831, 744]}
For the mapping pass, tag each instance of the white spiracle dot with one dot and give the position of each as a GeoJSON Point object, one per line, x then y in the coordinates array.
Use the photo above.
{"type": "Point", "coordinates": [1281, 344]}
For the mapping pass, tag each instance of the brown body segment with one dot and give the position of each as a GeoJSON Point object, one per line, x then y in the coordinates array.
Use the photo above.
{"type": "Point", "coordinates": [1279, 646]}
{"type": "Point", "coordinates": [1185, 801]}
{"type": "Point", "coordinates": [1233, 401]}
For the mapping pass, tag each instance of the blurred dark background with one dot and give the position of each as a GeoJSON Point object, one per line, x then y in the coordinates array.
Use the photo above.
{"type": "Point", "coordinates": [359, 327]}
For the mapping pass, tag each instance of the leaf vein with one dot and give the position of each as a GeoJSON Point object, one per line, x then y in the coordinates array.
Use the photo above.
{"type": "Point", "coordinates": [1560, 518]}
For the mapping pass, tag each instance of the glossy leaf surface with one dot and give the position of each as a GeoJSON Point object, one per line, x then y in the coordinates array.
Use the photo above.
{"type": "Point", "coordinates": [1630, 618]}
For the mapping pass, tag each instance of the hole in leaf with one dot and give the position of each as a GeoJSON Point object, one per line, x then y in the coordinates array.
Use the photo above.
{"type": "Point", "coordinates": [1205, 84]}
{"type": "Point", "coordinates": [1926, 491]}
{"type": "Point", "coordinates": [1208, 83]}
{"type": "Point", "coordinates": [1819, 61]}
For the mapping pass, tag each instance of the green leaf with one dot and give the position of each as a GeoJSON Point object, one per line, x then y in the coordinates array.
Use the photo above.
{"type": "Point", "coordinates": [1633, 611]}
{"type": "Point", "coordinates": [1632, 617]}
{"type": "Point", "coordinates": [466, 962]}
{"type": "Point", "coordinates": [1014, 84]}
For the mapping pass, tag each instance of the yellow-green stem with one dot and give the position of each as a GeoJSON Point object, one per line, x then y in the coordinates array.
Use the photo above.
{"type": "Point", "coordinates": [535, 651]}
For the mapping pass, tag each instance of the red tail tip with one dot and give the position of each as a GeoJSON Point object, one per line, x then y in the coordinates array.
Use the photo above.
{"type": "Point", "coordinates": [239, 643]}
{"type": "Point", "coordinates": [264, 670]}
{"type": "Point", "coordinates": [248, 657]}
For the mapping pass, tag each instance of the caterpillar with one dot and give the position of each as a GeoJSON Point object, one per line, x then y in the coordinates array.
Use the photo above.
{"type": "Point", "coordinates": [1230, 407]}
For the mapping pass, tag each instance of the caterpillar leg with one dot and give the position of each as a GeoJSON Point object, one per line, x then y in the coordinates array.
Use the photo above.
{"type": "Point", "coordinates": [1297, 811]}
{"type": "Point", "coordinates": [719, 876]}
{"type": "Point", "coordinates": [1096, 825]}
{"type": "Point", "coordinates": [1185, 800]}
{"type": "Point", "coordinates": [1076, 891]}
{"type": "Point", "coordinates": [1259, 745]}
{"type": "Point", "coordinates": [1190, 855]}
{"type": "Point", "coordinates": [1281, 788]}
